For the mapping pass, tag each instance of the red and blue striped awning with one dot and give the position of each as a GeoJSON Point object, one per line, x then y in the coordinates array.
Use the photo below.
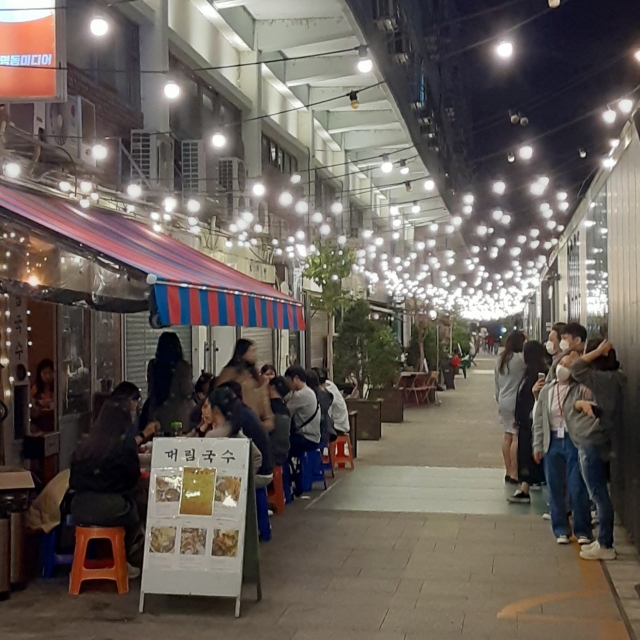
{"type": "Point", "coordinates": [190, 289]}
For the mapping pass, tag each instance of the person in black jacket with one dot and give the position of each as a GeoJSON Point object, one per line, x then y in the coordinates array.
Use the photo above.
{"type": "Point", "coordinates": [104, 472]}
{"type": "Point", "coordinates": [529, 472]}
{"type": "Point", "coordinates": [280, 442]}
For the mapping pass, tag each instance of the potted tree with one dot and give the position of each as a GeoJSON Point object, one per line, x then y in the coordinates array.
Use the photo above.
{"type": "Point", "coordinates": [384, 354]}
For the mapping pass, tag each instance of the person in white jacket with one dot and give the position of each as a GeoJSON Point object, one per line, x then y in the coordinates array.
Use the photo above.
{"type": "Point", "coordinates": [339, 412]}
{"type": "Point", "coordinates": [510, 370]}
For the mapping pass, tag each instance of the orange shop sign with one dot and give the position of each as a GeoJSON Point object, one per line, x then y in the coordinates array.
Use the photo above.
{"type": "Point", "coordinates": [30, 39]}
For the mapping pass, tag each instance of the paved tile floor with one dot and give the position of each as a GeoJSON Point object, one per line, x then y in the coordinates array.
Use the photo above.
{"type": "Point", "coordinates": [417, 543]}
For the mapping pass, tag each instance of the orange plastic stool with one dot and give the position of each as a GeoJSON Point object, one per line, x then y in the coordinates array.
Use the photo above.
{"type": "Point", "coordinates": [342, 455]}
{"type": "Point", "coordinates": [115, 569]}
{"type": "Point", "coordinates": [277, 497]}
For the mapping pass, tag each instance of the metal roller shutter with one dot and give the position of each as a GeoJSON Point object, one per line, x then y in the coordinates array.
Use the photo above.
{"type": "Point", "coordinates": [140, 342]}
{"type": "Point", "coordinates": [319, 333]}
{"type": "Point", "coordinates": [263, 339]}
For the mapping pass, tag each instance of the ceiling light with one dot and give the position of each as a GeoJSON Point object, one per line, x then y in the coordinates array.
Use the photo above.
{"type": "Point", "coordinates": [85, 203]}
{"type": "Point", "coordinates": [504, 49]}
{"type": "Point", "coordinates": [171, 90]}
{"type": "Point", "coordinates": [192, 221]}
{"type": "Point", "coordinates": [258, 189]}
{"type": "Point", "coordinates": [625, 105]}
{"type": "Point", "coordinates": [429, 185]}
{"type": "Point", "coordinates": [394, 210]}
{"type": "Point", "coordinates": [433, 227]}
{"type": "Point", "coordinates": [636, 55]}
{"type": "Point", "coordinates": [537, 189]}
{"type": "Point", "coordinates": [506, 219]}
{"type": "Point", "coordinates": [449, 228]}
{"type": "Point", "coordinates": [526, 152]}
{"type": "Point", "coordinates": [456, 221]}
{"type": "Point", "coordinates": [218, 140]}
{"type": "Point", "coordinates": [325, 229]}
{"type": "Point", "coordinates": [99, 26]}
{"type": "Point", "coordinates": [609, 116]}
{"type": "Point", "coordinates": [499, 187]}
{"type": "Point", "coordinates": [387, 165]}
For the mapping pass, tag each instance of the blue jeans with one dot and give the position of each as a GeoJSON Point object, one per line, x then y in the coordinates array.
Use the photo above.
{"type": "Point", "coordinates": [593, 469]}
{"type": "Point", "coordinates": [562, 470]}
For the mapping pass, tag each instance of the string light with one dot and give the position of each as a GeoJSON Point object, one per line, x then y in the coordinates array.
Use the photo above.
{"type": "Point", "coordinates": [12, 170]}
{"type": "Point", "coordinates": [99, 151]}
{"type": "Point", "coordinates": [296, 178]}
{"type": "Point", "coordinates": [99, 26]}
{"type": "Point", "coordinates": [429, 185]}
{"type": "Point", "coordinates": [625, 105]}
{"type": "Point", "coordinates": [499, 187]}
{"type": "Point", "coordinates": [387, 165]}
{"type": "Point", "coordinates": [134, 190]}
{"type": "Point", "coordinates": [219, 140]}
{"type": "Point", "coordinates": [609, 116]}
{"type": "Point", "coordinates": [285, 199]}
{"type": "Point", "coordinates": [365, 64]}
{"type": "Point", "coordinates": [172, 90]}
{"type": "Point", "coordinates": [193, 206]}
{"type": "Point", "coordinates": [525, 152]}
{"type": "Point", "coordinates": [258, 189]}
{"type": "Point", "coordinates": [504, 49]}
{"type": "Point", "coordinates": [302, 207]}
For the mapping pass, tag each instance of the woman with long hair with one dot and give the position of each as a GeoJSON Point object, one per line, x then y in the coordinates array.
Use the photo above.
{"type": "Point", "coordinates": [104, 472]}
{"type": "Point", "coordinates": [530, 473]}
{"type": "Point", "coordinates": [170, 386]}
{"type": "Point", "coordinates": [508, 376]}
{"type": "Point", "coordinates": [242, 369]}
{"type": "Point", "coordinates": [43, 397]}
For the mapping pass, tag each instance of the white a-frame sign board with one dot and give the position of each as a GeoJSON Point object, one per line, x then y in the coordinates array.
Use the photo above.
{"type": "Point", "coordinates": [201, 535]}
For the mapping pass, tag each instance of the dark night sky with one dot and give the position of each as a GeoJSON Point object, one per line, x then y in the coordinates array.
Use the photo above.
{"type": "Point", "coordinates": [567, 62]}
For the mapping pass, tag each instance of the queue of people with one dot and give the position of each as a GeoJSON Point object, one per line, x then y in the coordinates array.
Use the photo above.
{"type": "Point", "coordinates": [559, 404]}
{"type": "Point", "coordinates": [283, 416]}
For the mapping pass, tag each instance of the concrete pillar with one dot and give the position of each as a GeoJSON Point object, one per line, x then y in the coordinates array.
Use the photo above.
{"type": "Point", "coordinates": [154, 55]}
{"type": "Point", "coordinates": [251, 83]}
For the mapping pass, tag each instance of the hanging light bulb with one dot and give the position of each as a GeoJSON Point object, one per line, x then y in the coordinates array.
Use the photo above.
{"type": "Point", "coordinates": [404, 169]}
{"type": "Point", "coordinates": [609, 116]}
{"type": "Point", "coordinates": [218, 140]}
{"type": "Point", "coordinates": [86, 186]}
{"type": "Point", "coordinates": [169, 204]}
{"type": "Point", "coordinates": [636, 55]}
{"type": "Point", "coordinates": [134, 190]}
{"type": "Point", "coordinates": [497, 215]}
{"type": "Point", "coordinates": [285, 199]}
{"type": "Point", "coordinates": [64, 186]}
{"type": "Point", "coordinates": [193, 206]}
{"type": "Point", "coordinates": [353, 99]}
{"type": "Point", "coordinates": [433, 227]}
{"type": "Point", "coordinates": [99, 26]}
{"type": "Point", "coordinates": [99, 151]}
{"type": "Point", "coordinates": [554, 4]}
{"type": "Point", "coordinates": [258, 189]}
{"type": "Point", "coordinates": [325, 229]}
{"type": "Point", "coordinates": [468, 199]}
{"type": "Point", "coordinates": [504, 49]}
{"type": "Point", "coordinates": [337, 208]}
{"type": "Point", "coordinates": [12, 170]}
{"type": "Point", "coordinates": [302, 207]}
{"type": "Point", "coordinates": [429, 185]}
{"type": "Point", "coordinates": [296, 178]}
{"type": "Point", "coordinates": [467, 209]}
{"type": "Point", "coordinates": [415, 208]}
{"type": "Point", "coordinates": [511, 158]}
{"type": "Point", "coordinates": [365, 64]}
{"type": "Point", "coordinates": [171, 90]}
{"type": "Point", "coordinates": [317, 217]}
{"type": "Point", "coordinates": [387, 165]}
{"type": "Point", "coordinates": [625, 105]}
{"type": "Point", "coordinates": [526, 152]}
{"type": "Point", "coordinates": [499, 187]}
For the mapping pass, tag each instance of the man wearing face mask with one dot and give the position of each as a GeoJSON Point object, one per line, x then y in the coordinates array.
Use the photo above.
{"type": "Point", "coordinates": [552, 444]}
{"type": "Point", "coordinates": [553, 343]}
{"type": "Point", "coordinates": [573, 338]}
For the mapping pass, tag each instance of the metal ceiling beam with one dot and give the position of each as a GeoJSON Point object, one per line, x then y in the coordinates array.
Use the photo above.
{"type": "Point", "coordinates": [313, 70]}
{"type": "Point", "coordinates": [278, 35]}
{"type": "Point", "coordinates": [341, 122]}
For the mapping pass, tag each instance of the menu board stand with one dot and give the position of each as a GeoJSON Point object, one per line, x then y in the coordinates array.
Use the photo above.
{"type": "Point", "coordinates": [202, 530]}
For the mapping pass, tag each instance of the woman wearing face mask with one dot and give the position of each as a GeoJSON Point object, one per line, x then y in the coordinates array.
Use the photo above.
{"type": "Point", "coordinates": [529, 471]}
{"type": "Point", "coordinates": [508, 376]}
{"type": "Point", "coordinates": [551, 443]}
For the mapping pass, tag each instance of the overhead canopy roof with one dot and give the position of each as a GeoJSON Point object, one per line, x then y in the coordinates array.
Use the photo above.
{"type": "Point", "coordinates": [188, 286]}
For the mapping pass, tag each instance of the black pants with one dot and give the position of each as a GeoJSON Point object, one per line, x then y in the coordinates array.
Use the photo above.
{"type": "Point", "coordinates": [108, 510]}
{"type": "Point", "coordinates": [300, 444]}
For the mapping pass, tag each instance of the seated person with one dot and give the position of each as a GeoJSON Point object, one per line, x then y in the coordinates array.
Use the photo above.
{"type": "Point", "coordinates": [201, 390]}
{"type": "Point", "coordinates": [129, 394]}
{"type": "Point", "coordinates": [339, 412]}
{"type": "Point", "coordinates": [327, 431]}
{"type": "Point", "coordinates": [104, 472]}
{"type": "Point", "coordinates": [43, 398]}
{"type": "Point", "coordinates": [278, 391]}
{"type": "Point", "coordinates": [305, 413]}
{"type": "Point", "coordinates": [224, 416]}
{"type": "Point", "coordinates": [268, 372]}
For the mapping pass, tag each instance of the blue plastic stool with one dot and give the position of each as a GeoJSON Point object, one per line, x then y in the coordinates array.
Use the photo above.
{"type": "Point", "coordinates": [50, 557]}
{"type": "Point", "coordinates": [311, 469]}
{"type": "Point", "coordinates": [262, 505]}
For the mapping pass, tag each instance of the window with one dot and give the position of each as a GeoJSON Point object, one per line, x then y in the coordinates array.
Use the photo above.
{"type": "Point", "coordinates": [597, 266]}
{"type": "Point", "coordinates": [573, 259]}
{"type": "Point", "coordinates": [275, 156]}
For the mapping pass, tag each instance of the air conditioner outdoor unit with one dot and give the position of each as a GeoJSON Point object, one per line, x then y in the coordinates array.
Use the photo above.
{"type": "Point", "coordinates": [232, 182]}
{"type": "Point", "coordinates": [71, 125]}
{"type": "Point", "coordinates": [153, 155]}
{"type": "Point", "coordinates": [401, 48]}
{"type": "Point", "coordinates": [386, 15]}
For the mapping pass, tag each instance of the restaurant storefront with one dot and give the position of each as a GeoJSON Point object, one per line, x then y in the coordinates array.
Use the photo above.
{"type": "Point", "coordinates": [82, 288]}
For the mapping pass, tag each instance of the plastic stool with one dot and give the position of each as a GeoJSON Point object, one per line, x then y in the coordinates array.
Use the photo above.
{"type": "Point", "coordinates": [262, 506]}
{"type": "Point", "coordinates": [277, 497]}
{"type": "Point", "coordinates": [115, 569]}
{"type": "Point", "coordinates": [342, 453]}
{"type": "Point", "coordinates": [50, 556]}
{"type": "Point", "coordinates": [327, 458]}
{"type": "Point", "coordinates": [311, 469]}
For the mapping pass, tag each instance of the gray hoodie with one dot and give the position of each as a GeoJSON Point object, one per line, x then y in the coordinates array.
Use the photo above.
{"type": "Point", "coordinates": [607, 388]}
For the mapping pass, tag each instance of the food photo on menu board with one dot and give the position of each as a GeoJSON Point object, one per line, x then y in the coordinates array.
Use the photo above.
{"type": "Point", "coordinates": [225, 543]}
{"type": "Point", "coordinates": [193, 541]}
{"type": "Point", "coordinates": [198, 487]}
{"type": "Point", "coordinates": [163, 539]}
{"type": "Point", "coordinates": [228, 491]}
{"type": "Point", "coordinates": [168, 488]}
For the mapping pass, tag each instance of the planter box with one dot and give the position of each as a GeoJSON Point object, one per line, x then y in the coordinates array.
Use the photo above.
{"type": "Point", "coordinates": [392, 405]}
{"type": "Point", "coordinates": [369, 418]}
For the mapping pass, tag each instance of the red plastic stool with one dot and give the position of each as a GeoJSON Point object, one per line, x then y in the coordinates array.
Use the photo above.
{"type": "Point", "coordinates": [115, 569]}
{"type": "Point", "coordinates": [277, 497]}
{"type": "Point", "coordinates": [342, 455]}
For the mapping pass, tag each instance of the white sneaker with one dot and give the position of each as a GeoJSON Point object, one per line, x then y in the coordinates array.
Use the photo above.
{"type": "Point", "coordinates": [563, 540]}
{"type": "Point", "coordinates": [546, 516]}
{"type": "Point", "coordinates": [596, 552]}
{"type": "Point", "coordinates": [587, 547]}
{"type": "Point", "coordinates": [133, 572]}
{"type": "Point", "coordinates": [270, 512]}
{"type": "Point", "coordinates": [583, 541]}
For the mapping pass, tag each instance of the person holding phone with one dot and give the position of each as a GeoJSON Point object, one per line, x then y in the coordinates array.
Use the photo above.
{"type": "Point", "coordinates": [601, 412]}
{"type": "Point", "coordinates": [530, 473]}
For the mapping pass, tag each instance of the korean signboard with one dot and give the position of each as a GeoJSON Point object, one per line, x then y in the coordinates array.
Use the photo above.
{"type": "Point", "coordinates": [199, 502]}
{"type": "Point", "coordinates": [32, 51]}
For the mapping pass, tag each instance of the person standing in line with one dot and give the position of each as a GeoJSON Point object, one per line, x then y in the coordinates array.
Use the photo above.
{"type": "Point", "coordinates": [529, 471]}
{"type": "Point", "coordinates": [598, 370]}
{"type": "Point", "coordinates": [170, 385]}
{"type": "Point", "coordinates": [242, 369]}
{"type": "Point", "coordinates": [551, 443]}
{"type": "Point", "coordinates": [553, 341]}
{"type": "Point", "coordinates": [573, 337]}
{"type": "Point", "coordinates": [509, 372]}
{"type": "Point", "coordinates": [305, 412]}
